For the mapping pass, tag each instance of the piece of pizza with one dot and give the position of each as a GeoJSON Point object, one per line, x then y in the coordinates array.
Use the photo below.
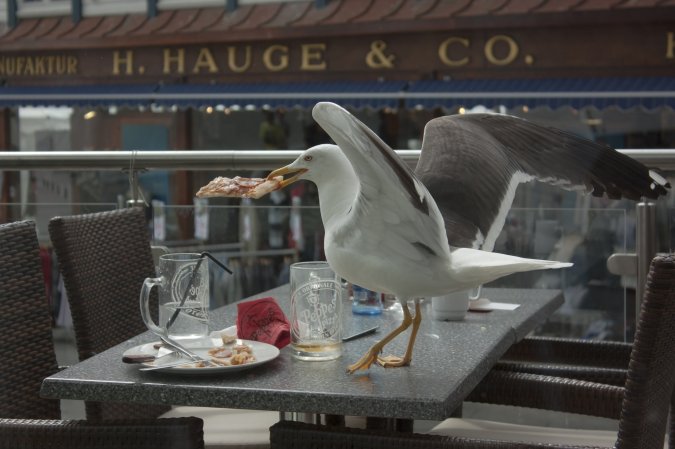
{"type": "Point", "coordinates": [240, 187]}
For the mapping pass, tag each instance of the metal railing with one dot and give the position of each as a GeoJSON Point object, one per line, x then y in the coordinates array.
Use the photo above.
{"type": "Point", "coordinates": [216, 159]}
{"type": "Point", "coordinates": [133, 162]}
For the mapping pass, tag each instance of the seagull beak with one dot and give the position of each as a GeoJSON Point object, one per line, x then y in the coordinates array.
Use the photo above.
{"type": "Point", "coordinates": [284, 171]}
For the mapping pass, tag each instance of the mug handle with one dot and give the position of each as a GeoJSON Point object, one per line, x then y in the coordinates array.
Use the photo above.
{"type": "Point", "coordinates": [148, 283]}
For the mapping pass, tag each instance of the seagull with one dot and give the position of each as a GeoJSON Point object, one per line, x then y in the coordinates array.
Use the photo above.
{"type": "Point", "coordinates": [383, 228]}
{"type": "Point", "coordinates": [472, 165]}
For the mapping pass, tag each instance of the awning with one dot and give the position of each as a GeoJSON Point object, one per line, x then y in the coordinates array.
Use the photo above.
{"type": "Point", "coordinates": [624, 93]}
{"type": "Point", "coordinates": [78, 96]}
{"type": "Point", "coordinates": [374, 94]}
{"type": "Point", "coordinates": [647, 92]}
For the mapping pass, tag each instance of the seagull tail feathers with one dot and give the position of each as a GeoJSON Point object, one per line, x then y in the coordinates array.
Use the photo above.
{"type": "Point", "coordinates": [480, 267]}
{"type": "Point", "coordinates": [552, 264]}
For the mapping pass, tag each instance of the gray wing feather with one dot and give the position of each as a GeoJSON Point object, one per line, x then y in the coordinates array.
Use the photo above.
{"type": "Point", "coordinates": [390, 193]}
{"type": "Point", "coordinates": [468, 162]}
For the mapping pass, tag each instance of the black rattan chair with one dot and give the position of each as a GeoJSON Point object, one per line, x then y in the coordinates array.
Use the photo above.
{"type": "Point", "coordinates": [174, 433]}
{"type": "Point", "coordinates": [104, 258]}
{"type": "Point", "coordinates": [27, 351]}
{"type": "Point", "coordinates": [591, 360]}
{"type": "Point", "coordinates": [26, 348]}
{"type": "Point", "coordinates": [643, 402]}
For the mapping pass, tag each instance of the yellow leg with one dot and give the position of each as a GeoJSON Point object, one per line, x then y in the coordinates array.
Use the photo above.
{"type": "Point", "coordinates": [371, 356]}
{"type": "Point", "coordinates": [393, 361]}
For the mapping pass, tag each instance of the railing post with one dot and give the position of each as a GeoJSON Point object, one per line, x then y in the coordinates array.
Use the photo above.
{"type": "Point", "coordinates": [645, 247]}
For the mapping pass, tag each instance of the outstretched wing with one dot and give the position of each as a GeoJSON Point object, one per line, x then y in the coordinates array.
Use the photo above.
{"type": "Point", "coordinates": [473, 163]}
{"type": "Point", "coordinates": [390, 195]}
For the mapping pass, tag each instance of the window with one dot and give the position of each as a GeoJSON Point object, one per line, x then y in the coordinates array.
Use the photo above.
{"type": "Point", "coordinates": [42, 8]}
{"type": "Point", "coordinates": [113, 7]}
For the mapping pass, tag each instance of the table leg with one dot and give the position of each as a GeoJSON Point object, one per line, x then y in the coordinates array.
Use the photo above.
{"type": "Point", "coordinates": [335, 420]}
{"type": "Point", "coordinates": [393, 424]}
{"type": "Point", "coordinates": [312, 418]}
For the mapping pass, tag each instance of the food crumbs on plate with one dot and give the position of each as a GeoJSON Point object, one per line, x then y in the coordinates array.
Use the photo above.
{"type": "Point", "coordinates": [242, 348]}
{"type": "Point", "coordinates": [193, 365]}
{"type": "Point", "coordinates": [220, 352]}
{"type": "Point", "coordinates": [239, 359]}
{"type": "Point", "coordinates": [237, 355]}
{"type": "Point", "coordinates": [228, 339]}
{"type": "Point", "coordinates": [221, 362]}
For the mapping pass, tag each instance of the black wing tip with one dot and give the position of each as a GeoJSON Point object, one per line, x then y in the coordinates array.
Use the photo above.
{"type": "Point", "coordinates": [659, 185]}
{"type": "Point", "coordinates": [659, 190]}
{"type": "Point", "coordinates": [634, 191]}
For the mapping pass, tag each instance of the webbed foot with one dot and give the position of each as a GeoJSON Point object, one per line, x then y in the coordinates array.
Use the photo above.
{"type": "Point", "coordinates": [392, 361]}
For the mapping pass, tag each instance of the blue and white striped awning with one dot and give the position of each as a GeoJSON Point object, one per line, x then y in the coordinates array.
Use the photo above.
{"type": "Point", "coordinates": [373, 94]}
{"type": "Point", "coordinates": [354, 94]}
{"type": "Point", "coordinates": [74, 96]}
{"type": "Point", "coordinates": [648, 92]}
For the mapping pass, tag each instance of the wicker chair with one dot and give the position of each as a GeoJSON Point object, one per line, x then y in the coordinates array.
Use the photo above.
{"type": "Point", "coordinates": [591, 360]}
{"type": "Point", "coordinates": [104, 258]}
{"type": "Point", "coordinates": [26, 347]}
{"type": "Point", "coordinates": [643, 402]}
{"type": "Point", "coordinates": [176, 433]}
{"type": "Point", "coordinates": [27, 351]}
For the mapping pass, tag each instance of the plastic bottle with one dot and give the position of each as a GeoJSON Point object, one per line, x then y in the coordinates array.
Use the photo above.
{"type": "Point", "coordinates": [366, 302]}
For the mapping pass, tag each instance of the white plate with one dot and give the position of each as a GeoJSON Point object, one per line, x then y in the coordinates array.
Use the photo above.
{"type": "Point", "coordinates": [263, 353]}
{"type": "Point", "coordinates": [232, 330]}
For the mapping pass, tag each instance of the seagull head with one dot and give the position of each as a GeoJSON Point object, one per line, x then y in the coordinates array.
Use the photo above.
{"type": "Point", "coordinates": [316, 164]}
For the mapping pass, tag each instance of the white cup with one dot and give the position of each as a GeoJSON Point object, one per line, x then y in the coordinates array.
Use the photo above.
{"type": "Point", "coordinates": [450, 307]}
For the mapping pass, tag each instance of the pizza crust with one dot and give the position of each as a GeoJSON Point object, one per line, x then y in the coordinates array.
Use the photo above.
{"type": "Point", "coordinates": [240, 187]}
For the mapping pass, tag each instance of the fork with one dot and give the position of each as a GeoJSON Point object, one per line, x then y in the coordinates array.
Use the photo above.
{"type": "Point", "coordinates": [185, 351]}
{"type": "Point", "coordinates": [166, 365]}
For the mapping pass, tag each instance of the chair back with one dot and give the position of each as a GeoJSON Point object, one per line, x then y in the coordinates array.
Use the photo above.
{"type": "Point", "coordinates": [651, 372]}
{"type": "Point", "coordinates": [169, 433]}
{"type": "Point", "coordinates": [26, 343]}
{"type": "Point", "coordinates": [104, 258]}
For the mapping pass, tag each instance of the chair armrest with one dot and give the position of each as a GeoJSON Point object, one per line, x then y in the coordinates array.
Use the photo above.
{"type": "Point", "coordinates": [550, 393]}
{"type": "Point", "coordinates": [607, 354]}
{"type": "Point", "coordinates": [610, 376]}
{"type": "Point", "coordinates": [297, 435]}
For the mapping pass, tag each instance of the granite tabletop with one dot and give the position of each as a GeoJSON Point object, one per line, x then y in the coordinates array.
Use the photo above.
{"type": "Point", "coordinates": [450, 359]}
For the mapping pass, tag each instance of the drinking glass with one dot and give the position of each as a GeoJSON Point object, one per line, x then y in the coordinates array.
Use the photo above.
{"type": "Point", "coordinates": [183, 285]}
{"type": "Point", "coordinates": [316, 311]}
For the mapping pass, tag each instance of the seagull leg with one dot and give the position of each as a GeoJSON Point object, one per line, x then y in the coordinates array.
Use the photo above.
{"type": "Point", "coordinates": [371, 356]}
{"type": "Point", "coordinates": [393, 361]}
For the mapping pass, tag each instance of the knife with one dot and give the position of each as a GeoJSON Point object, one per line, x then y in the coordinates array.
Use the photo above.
{"type": "Point", "coordinates": [361, 334]}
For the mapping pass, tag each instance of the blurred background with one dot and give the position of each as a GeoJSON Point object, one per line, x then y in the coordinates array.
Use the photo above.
{"type": "Point", "coordinates": [213, 75]}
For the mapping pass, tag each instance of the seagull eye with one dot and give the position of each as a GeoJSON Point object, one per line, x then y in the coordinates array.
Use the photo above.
{"type": "Point", "coordinates": [308, 158]}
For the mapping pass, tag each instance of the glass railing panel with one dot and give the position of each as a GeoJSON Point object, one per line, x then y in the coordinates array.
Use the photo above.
{"type": "Point", "coordinates": [41, 213]}
{"type": "Point", "coordinates": [595, 299]}
{"type": "Point", "coordinates": [260, 242]}
{"type": "Point", "coordinates": [255, 242]}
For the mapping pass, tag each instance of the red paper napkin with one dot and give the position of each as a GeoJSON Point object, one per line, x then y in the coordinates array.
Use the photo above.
{"type": "Point", "coordinates": [263, 320]}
